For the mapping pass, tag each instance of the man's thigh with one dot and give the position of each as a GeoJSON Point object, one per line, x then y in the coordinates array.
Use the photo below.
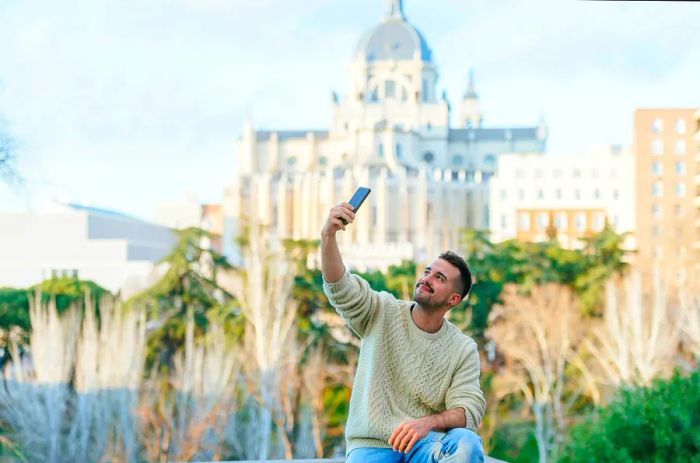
{"type": "Point", "coordinates": [373, 455]}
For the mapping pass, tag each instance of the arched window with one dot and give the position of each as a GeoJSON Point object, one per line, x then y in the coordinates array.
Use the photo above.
{"type": "Point", "coordinates": [374, 95]}
{"type": "Point", "coordinates": [490, 159]}
{"type": "Point", "coordinates": [457, 160]}
{"type": "Point", "coordinates": [428, 157]}
{"type": "Point", "coordinates": [389, 89]}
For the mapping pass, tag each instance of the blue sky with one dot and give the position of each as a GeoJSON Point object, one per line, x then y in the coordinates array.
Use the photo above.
{"type": "Point", "coordinates": [125, 104]}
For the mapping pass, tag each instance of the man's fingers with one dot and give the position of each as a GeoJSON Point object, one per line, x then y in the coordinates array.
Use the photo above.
{"type": "Point", "coordinates": [393, 435]}
{"type": "Point", "coordinates": [336, 221]}
{"type": "Point", "coordinates": [399, 440]}
{"type": "Point", "coordinates": [407, 437]}
{"type": "Point", "coordinates": [393, 439]}
{"type": "Point", "coordinates": [410, 444]}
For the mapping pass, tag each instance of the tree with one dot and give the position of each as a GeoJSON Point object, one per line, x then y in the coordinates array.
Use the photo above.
{"type": "Point", "coordinates": [537, 333]}
{"type": "Point", "coordinates": [263, 289]}
{"type": "Point", "coordinates": [647, 424]}
{"type": "Point", "coordinates": [691, 325]}
{"type": "Point", "coordinates": [7, 150]}
{"type": "Point", "coordinates": [191, 280]}
{"type": "Point", "coordinates": [636, 340]}
{"type": "Point", "coordinates": [605, 257]}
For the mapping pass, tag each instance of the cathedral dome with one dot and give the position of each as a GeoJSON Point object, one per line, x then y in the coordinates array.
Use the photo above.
{"type": "Point", "coordinates": [394, 38]}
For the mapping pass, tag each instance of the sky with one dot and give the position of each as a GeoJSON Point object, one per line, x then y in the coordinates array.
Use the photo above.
{"type": "Point", "coordinates": [126, 104]}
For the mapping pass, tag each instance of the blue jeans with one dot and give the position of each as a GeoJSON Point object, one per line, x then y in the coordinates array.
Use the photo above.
{"type": "Point", "coordinates": [458, 445]}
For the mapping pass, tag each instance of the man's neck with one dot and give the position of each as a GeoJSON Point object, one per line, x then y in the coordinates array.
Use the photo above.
{"type": "Point", "coordinates": [429, 321]}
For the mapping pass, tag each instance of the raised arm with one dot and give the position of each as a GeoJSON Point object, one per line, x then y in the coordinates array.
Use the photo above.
{"type": "Point", "coordinates": [331, 261]}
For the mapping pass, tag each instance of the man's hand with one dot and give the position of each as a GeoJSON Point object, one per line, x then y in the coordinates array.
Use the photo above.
{"type": "Point", "coordinates": [409, 432]}
{"type": "Point", "coordinates": [339, 216]}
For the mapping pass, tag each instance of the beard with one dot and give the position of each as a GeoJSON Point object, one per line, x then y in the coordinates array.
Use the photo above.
{"type": "Point", "coordinates": [426, 299]}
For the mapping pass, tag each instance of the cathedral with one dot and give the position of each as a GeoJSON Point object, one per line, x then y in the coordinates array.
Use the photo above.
{"type": "Point", "coordinates": [391, 132]}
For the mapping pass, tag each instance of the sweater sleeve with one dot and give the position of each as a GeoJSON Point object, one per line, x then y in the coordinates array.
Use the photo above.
{"type": "Point", "coordinates": [355, 301]}
{"type": "Point", "coordinates": [465, 391]}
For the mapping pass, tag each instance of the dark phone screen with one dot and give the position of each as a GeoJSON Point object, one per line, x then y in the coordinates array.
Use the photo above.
{"type": "Point", "coordinates": [359, 197]}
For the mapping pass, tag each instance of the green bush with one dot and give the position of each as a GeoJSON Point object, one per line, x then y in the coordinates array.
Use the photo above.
{"type": "Point", "coordinates": [660, 423]}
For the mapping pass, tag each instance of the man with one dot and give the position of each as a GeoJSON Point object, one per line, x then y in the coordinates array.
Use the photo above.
{"type": "Point", "coordinates": [416, 395]}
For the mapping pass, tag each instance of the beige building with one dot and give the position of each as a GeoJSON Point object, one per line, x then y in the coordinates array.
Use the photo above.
{"type": "Point", "coordinates": [536, 196]}
{"type": "Point", "coordinates": [391, 131]}
{"type": "Point", "coordinates": [665, 170]}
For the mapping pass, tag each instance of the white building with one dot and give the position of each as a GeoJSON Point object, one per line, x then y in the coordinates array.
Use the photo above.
{"type": "Point", "coordinates": [390, 132]}
{"type": "Point", "coordinates": [534, 195]}
{"type": "Point", "coordinates": [112, 249]}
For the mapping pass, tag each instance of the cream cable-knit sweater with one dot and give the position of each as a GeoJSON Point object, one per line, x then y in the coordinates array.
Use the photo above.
{"type": "Point", "coordinates": [403, 372]}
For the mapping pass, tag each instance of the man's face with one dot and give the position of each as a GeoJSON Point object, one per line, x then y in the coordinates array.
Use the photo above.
{"type": "Point", "coordinates": [437, 287]}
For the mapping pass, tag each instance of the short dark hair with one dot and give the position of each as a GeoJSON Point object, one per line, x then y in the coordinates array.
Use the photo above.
{"type": "Point", "coordinates": [464, 273]}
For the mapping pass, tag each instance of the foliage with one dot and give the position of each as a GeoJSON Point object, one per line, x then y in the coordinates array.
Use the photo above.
{"type": "Point", "coordinates": [657, 423]}
{"type": "Point", "coordinates": [14, 306]}
{"type": "Point", "coordinates": [190, 281]}
{"type": "Point", "coordinates": [528, 264]}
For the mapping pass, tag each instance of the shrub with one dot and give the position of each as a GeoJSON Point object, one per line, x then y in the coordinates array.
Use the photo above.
{"type": "Point", "coordinates": [659, 423]}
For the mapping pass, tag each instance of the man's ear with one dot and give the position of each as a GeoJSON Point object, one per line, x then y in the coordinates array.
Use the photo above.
{"type": "Point", "coordinates": [456, 298]}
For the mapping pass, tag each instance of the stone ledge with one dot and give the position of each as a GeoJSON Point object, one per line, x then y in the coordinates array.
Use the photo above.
{"type": "Point", "coordinates": [326, 460]}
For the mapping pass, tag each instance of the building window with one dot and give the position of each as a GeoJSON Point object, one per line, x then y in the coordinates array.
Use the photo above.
{"type": "Point", "coordinates": [490, 159]}
{"type": "Point", "coordinates": [540, 194]}
{"type": "Point", "coordinates": [657, 125]}
{"type": "Point", "coordinates": [291, 160]}
{"type": "Point", "coordinates": [524, 221]}
{"type": "Point", "coordinates": [596, 194]}
{"type": "Point", "coordinates": [389, 89]}
{"type": "Point", "coordinates": [679, 167]}
{"type": "Point", "coordinates": [616, 194]}
{"type": "Point", "coordinates": [373, 96]}
{"type": "Point", "coordinates": [598, 221]}
{"type": "Point", "coordinates": [680, 189]}
{"type": "Point", "coordinates": [457, 160]}
{"type": "Point", "coordinates": [680, 147]}
{"type": "Point", "coordinates": [322, 160]}
{"type": "Point", "coordinates": [577, 194]}
{"type": "Point", "coordinates": [656, 211]}
{"type": "Point", "coordinates": [655, 231]}
{"type": "Point", "coordinates": [680, 126]}
{"type": "Point", "coordinates": [657, 147]}
{"type": "Point", "coordinates": [428, 157]}
{"type": "Point", "coordinates": [657, 168]}
{"type": "Point", "coordinates": [542, 221]}
{"type": "Point", "coordinates": [398, 151]}
{"type": "Point", "coordinates": [580, 221]}
{"type": "Point", "coordinates": [424, 90]}
{"type": "Point", "coordinates": [657, 189]}
{"type": "Point", "coordinates": [560, 221]}
{"type": "Point", "coordinates": [521, 194]}
{"type": "Point", "coordinates": [380, 150]}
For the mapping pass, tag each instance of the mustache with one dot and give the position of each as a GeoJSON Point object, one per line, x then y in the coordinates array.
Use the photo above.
{"type": "Point", "coordinates": [430, 287]}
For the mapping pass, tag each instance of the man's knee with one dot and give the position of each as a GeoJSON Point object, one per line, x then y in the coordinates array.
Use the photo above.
{"type": "Point", "coordinates": [463, 445]}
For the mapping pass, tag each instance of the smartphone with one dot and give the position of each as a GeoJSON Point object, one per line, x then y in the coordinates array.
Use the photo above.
{"type": "Point", "coordinates": [357, 199]}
